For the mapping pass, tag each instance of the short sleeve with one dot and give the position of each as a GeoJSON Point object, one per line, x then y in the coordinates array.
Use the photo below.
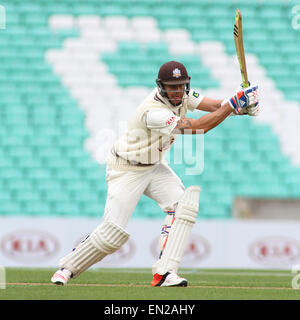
{"type": "Point", "coordinates": [194, 99]}
{"type": "Point", "coordinates": [161, 120]}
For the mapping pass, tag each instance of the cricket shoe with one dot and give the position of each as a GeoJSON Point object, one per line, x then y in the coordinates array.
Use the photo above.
{"type": "Point", "coordinates": [168, 280]}
{"type": "Point", "coordinates": [61, 277]}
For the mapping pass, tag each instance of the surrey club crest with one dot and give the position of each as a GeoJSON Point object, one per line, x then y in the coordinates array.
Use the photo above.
{"type": "Point", "coordinates": [176, 73]}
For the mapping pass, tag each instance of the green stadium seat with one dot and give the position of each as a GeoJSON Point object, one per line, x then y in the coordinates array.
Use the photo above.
{"type": "Point", "coordinates": [54, 195]}
{"type": "Point", "coordinates": [37, 173]}
{"type": "Point", "coordinates": [294, 190]}
{"type": "Point", "coordinates": [45, 185]}
{"type": "Point", "coordinates": [5, 196]}
{"type": "Point", "coordinates": [27, 196]}
{"type": "Point", "coordinates": [66, 208]}
{"type": "Point", "coordinates": [37, 208]}
{"type": "Point", "coordinates": [10, 208]}
{"type": "Point", "coordinates": [94, 209]}
{"type": "Point", "coordinates": [267, 12]}
{"type": "Point", "coordinates": [46, 152]}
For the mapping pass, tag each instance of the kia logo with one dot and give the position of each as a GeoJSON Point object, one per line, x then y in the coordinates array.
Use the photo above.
{"type": "Point", "coordinates": [197, 249]}
{"type": "Point", "coordinates": [275, 251]}
{"type": "Point", "coordinates": [29, 245]}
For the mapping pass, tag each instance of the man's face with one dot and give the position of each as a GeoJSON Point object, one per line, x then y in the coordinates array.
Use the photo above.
{"type": "Point", "coordinates": [175, 92]}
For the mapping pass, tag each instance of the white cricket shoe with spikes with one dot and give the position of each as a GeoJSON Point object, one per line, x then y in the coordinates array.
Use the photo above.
{"type": "Point", "coordinates": [61, 277]}
{"type": "Point", "coordinates": [169, 279]}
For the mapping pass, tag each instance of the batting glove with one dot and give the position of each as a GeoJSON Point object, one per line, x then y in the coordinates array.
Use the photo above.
{"type": "Point", "coordinates": [253, 110]}
{"type": "Point", "coordinates": [243, 99]}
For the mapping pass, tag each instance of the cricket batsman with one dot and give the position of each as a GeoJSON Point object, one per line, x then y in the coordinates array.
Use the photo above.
{"type": "Point", "coordinates": [136, 166]}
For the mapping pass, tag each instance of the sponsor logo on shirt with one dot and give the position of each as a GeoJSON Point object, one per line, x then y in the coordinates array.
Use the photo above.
{"type": "Point", "coordinates": [196, 94]}
{"type": "Point", "coordinates": [171, 120]}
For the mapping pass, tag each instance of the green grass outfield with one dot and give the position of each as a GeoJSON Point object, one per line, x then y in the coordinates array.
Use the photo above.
{"type": "Point", "coordinates": [134, 284]}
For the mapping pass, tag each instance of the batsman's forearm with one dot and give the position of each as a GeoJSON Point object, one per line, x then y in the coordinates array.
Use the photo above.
{"type": "Point", "coordinates": [211, 120]}
{"type": "Point", "coordinates": [209, 104]}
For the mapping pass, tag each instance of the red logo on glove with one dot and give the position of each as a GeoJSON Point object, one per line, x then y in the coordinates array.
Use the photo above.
{"type": "Point", "coordinates": [240, 94]}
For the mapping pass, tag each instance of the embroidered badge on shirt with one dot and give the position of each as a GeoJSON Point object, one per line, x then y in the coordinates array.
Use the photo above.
{"type": "Point", "coordinates": [176, 73]}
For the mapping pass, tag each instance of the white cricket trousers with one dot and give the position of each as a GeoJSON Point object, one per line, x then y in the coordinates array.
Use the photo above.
{"type": "Point", "coordinates": [125, 189]}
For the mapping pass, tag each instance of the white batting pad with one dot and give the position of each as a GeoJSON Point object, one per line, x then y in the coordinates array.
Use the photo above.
{"type": "Point", "coordinates": [105, 239]}
{"type": "Point", "coordinates": [185, 218]}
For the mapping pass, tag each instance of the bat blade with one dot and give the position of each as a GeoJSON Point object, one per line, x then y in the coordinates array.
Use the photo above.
{"type": "Point", "coordinates": [239, 45]}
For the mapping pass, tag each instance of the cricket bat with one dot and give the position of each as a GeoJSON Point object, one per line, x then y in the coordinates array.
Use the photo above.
{"type": "Point", "coordinates": [239, 45]}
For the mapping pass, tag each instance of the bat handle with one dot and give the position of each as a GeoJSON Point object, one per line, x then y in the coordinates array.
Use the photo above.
{"type": "Point", "coordinates": [246, 84]}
